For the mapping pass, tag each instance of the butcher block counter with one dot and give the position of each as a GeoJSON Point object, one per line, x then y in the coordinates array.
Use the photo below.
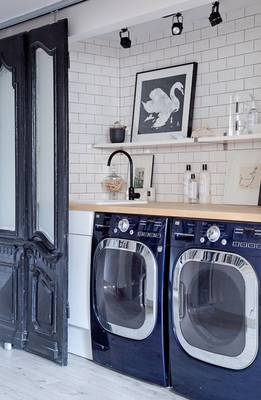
{"type": "Point", "coordinates": [180, 210]}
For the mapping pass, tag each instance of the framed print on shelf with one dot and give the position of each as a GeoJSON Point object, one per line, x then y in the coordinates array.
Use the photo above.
{"type": "Point", "coordinates": [142, 172]}
{"type": "Point", "coordinates": [243, 177]}
{"type": "Point", "coordinates": [164, 103]}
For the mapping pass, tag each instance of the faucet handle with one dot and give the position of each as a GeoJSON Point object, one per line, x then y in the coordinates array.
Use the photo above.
{"type": "Point", "coordinates": [132, 194]}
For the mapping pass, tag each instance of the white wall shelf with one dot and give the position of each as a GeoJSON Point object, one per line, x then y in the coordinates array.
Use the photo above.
{"type": "Point", "coordinates": [179, 142]}
{"type": "Point", "coordinates": [230, 139]}
{"type": "Point", "coordinates": [136, 145]}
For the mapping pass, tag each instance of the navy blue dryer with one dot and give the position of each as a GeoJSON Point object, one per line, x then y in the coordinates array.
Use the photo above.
{"type": "Point", "coordinates": [128, 280]}
{"type": "Point", "coordinates": [214, 310]}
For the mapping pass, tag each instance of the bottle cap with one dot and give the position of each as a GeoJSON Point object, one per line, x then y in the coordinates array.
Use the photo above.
{"type": "Point", "coordinates": [253, 107]}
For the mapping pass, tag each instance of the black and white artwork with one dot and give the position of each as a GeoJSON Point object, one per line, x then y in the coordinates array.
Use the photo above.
{"type": "Point", "coordinates": [163, 106]}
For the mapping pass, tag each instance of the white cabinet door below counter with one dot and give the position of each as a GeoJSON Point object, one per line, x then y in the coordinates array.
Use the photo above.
{"type": "Point", "coordinates": [79, 295]}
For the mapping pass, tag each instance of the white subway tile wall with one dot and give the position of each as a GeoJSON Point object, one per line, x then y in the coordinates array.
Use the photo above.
{"type": "Point", "coordinates": [101, 88]}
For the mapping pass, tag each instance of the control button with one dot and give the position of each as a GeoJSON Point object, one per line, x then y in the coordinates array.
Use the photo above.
{"type": "Point", "coordinates": [213, 233]}
{"type": "Point", "coordinates": [131, 232]}
{"type": "Point", "coordinates": [123, 225]}
{"type": "Point", "coordinates": [115, 230]}
{"type": "Point", "coordinates": [224, 242]}
{"type": "Point", "coordinates": [159, 248]}
{"type": "Point", "coordinates": [202, 240]}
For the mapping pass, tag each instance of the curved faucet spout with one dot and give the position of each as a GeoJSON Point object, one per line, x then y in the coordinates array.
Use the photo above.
{"type": "Point", "coordinates": [132, 194]}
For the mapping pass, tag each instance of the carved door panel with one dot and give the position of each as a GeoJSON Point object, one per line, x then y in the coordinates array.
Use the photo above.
{"type": "Point", "coordinates": [46, 254]}
{"type": "Point", "coordinates": [34, 191]}
{"type": "Point", "coordinates": [13, 230]}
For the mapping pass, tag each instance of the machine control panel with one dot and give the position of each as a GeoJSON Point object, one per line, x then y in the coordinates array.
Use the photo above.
{"type": "Point", "coordinates": [199, 232]}
{"type": "Point", "coordinates": [216, 233]}
{"type": "Point", "coordinates": [131, 226]}
{"type": "Point", "coordinates": [248, 237]}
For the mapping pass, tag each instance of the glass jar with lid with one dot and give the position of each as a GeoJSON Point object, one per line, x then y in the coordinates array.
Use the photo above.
{"type": "Point", "coordinates": [113, 183]}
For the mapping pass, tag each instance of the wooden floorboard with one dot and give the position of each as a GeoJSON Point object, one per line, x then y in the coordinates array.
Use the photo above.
{"type": "Point", "coordinates": [24, 376]}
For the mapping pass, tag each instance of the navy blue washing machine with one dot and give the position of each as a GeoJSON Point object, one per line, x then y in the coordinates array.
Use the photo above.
{"type": "Point", "coordinates": [127, 296]}
{"type": "Point", "coordinates": [214, 310]}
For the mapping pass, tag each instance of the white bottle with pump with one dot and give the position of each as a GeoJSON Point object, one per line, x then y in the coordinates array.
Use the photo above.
{"type": "Point", "coordinates": [186, 180]}
{"type": "Point", "coordinates": [204, 185]}
{"type": "Point", "coordinates": [193, 189]}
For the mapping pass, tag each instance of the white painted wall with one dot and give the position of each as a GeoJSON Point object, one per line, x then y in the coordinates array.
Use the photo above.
{"type": "Point", "coordinates": [229, 58]}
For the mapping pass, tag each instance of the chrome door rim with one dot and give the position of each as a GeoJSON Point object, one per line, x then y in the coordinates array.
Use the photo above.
{"type": "Point", "coordinates": [238, 262]}
{"type": "Point", "coordinates": [151, 305]}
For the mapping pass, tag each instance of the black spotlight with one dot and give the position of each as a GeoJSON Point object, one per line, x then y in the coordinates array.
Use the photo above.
{"type": "Point", "coordinates": [125, 38]}
{"type": "Point", "coordinates": [177, 24]}
{"type": "Point", "coordinates": [215, 17]}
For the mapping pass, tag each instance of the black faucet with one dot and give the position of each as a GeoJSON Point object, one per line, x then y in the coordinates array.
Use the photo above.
{"type": "Point", "coordinates": [132, 194]}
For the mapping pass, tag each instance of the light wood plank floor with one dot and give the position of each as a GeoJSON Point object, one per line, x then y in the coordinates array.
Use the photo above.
{"type": "Point", "coordinates": [27, 377]}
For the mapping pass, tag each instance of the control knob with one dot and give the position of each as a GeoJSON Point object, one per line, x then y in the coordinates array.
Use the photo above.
{"type": "Point", "coordinates": [123, 225]}
{"type": "Point", "coordinates": [213, 233]}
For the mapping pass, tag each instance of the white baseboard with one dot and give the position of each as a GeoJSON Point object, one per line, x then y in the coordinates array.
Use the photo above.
{"type": "Point", "coordinates": [79, 342]}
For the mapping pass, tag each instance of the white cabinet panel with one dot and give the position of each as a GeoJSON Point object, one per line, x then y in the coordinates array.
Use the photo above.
{"type": "Point", "coordinates": [79, 280]}
{"type": "Point", "coordinates": [81, 222]}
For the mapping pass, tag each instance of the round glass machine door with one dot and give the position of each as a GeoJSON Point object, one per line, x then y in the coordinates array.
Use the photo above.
{"type": "Point", "coordinates": [125, 287]}
{"type": "Point", "coordinates": [215, 307]}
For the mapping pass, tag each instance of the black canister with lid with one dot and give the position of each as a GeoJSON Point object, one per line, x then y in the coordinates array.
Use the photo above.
{"type": "Point", "coordinates": [117, 133]}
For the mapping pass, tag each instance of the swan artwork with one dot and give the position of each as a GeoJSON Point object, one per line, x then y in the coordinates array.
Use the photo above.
{"type": "Point", "coordinates": [163, 105]}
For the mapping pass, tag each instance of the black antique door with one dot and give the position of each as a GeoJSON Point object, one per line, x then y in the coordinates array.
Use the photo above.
{"type": "Point", "coordinates": [34, 191]}
{"type": "Point", "coordinates": [46, 253]}
{"type": "Point", "coordinates": [13, 230]}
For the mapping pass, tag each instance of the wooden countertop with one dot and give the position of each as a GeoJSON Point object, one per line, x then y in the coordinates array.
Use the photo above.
{"type": "Point", "coordinates": [180, 210]}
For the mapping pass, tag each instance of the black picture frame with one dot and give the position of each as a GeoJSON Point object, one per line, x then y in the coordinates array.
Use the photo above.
{"type": "Point", "coordinates": [167, 91]}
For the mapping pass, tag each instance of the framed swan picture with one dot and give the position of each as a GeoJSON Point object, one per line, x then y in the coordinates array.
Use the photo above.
{"type": "Point", "coordinates": [164, 103]}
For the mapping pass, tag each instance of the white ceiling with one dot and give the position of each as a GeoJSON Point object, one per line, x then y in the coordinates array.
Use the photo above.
{"type": "Point", "coordinates": [15, 9]}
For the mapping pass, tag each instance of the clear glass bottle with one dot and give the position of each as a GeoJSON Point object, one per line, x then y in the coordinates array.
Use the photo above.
{"type": "Point", "coordinates": [252, 119]}
{"type": "Point", "coordinates": [204, 185]}
{"type": "Point", "coordinates": [193, 189]}
{"type": "Point", "coordinates": [187, 176]}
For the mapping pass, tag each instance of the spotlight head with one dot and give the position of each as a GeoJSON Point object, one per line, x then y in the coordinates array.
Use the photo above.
{"type": "Point", "coordinates": [215, 17]}
{"type": "Point", "coordinates": [125, 38]}
{"type": "Point", "coordinates": [177, 24]}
